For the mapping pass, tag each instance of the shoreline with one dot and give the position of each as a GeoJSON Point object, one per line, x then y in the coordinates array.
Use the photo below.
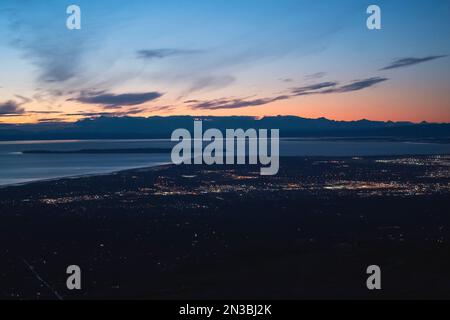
{"type": "Point", "coordinates": [169, 164]}
{"type": "Point", "coordinates": [81, 176]}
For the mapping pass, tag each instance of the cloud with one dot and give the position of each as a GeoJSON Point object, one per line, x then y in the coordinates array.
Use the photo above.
{"type": "Point", "coordinates": [332, 87]}
{"type": "Point", "coordinates": [315, 76]}
{"type": "Point", "coordinates": [211, 82]}
{"type": "Point", "coordinates": [43, 112]}
{"type": "Point", "coordinates": [24, 99]}
{"type": "Point", "coordinates": [11, 108]}
{"type": "Point", "coordinates": [56, 52]}
{"type": "Point", "coordinates": [132, 111]}
{"type": "Point", "coordinates": [313, 89]}
{"type": "Point", "coordinates": [406, 62]}
{"type": "Point", "coordinates": [162, 109]}
{"type": "Point", "coordinates": [358, 85]}
{"type": "Point", "coordinates": [234, 103]}
{"type": "Point", "coordinates": [89, 114]}
{"type": "Point", "coordinates": [121, 113]}
{"type": "Point", "coordinates": [52, 120]}
{"type": "Point", "coordinates": [318, 88]}
{"type": "Point", "coordinates": [112, 101]}
{"type": "Point", "coordinates": [150, 54]}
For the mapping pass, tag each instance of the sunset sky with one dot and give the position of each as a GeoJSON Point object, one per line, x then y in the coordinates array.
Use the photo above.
{"type": "Point", "coordinates": [236, 57]}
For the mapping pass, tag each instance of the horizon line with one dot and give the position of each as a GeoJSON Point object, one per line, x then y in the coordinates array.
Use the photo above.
{"type": "Point", "coordinates": [257, 118]}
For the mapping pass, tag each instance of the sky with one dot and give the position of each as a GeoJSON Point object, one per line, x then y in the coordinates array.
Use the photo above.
{"type": "Point", "coordinates": [237, 57]}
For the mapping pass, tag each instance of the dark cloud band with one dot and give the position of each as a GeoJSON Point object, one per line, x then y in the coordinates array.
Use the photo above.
{"type": "Point", "coordinates": [406, 62]}
{"type": "Point", "coordinates": [163, 53]}
{"type": "Point", "coordinates": [109, 100]}
{"type": "Point", "coordinates": [11, 108]}
{"type": "Point", "coordinates": [315, 89]}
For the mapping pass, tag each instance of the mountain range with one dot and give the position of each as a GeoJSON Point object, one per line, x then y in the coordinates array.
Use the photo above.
{"type": "Point", "coordinates": [162, 127]}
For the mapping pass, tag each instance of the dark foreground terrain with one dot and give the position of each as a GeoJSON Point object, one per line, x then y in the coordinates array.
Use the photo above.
{"type": "Point", "coordinates": [226, 232]}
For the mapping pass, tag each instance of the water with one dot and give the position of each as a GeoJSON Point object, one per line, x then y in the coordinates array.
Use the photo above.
{"type": "Point", "coordinates": [16, 167]}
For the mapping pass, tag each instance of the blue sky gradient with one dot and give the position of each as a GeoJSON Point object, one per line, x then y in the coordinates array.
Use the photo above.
{"type": "Point", "coordinates": [224, 57]}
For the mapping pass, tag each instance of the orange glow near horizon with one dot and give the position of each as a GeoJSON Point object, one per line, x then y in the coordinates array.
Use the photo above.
{"type": "Point", "coordinates": [378, 104]}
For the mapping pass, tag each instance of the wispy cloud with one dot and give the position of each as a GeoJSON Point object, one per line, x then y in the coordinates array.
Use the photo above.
{"type": "Point", "coordinates": [89, 114]}
{"type": "Point", "coordinates": [211, 82]}
{"type": "Point", "coordinates": [360, 84]}
{"type": "Point", "coordinates": [43, 112]}
{"type": "Point", "coordinates": [313, 89]}
{"type": "Point", "coordinates": [234, 103]}
{"type": "Point", "coordinates": [150, 54]}
{"type": "Point", "coordinates": [56, 52]}
{"type": "Point", "coordinates": [118, 113]}
{"type": "Point", "coordinates": [406, 62]}
{"type": "Point", "coordinates": [112, 101]}
{"type": "Point", "coordinates": [24, 99]}
{"type": "Point", "coordinates": [161, 109]}
{"type": "Point", "coordinates": [52, 120]}
{"type": "Point", "coordinates": [315, 76]}
{"type": "Point", "coordinates": [318, 88]}
{"type": "Point", "coordinates": [333, 87]}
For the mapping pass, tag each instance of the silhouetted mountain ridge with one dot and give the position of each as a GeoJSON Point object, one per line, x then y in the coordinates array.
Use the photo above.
{"type": "Point", "coordinates": [162, 127]}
